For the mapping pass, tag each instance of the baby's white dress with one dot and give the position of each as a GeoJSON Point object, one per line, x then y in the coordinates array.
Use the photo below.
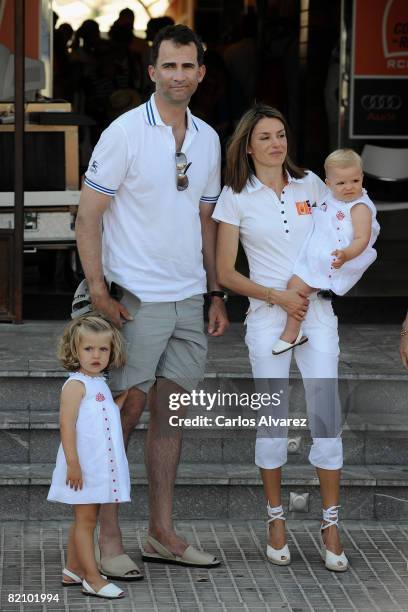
{"type": "Point", "coordinates": [333, 229]}
{"type": "Point", "coordinates": [101, 450]}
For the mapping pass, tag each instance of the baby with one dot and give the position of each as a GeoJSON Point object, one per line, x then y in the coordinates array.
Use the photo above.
{"type": "Point", "coordinates": [340, 248]}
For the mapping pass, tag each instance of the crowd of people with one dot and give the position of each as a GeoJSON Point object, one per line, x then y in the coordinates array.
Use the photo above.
{"type": "Point", "coordinates": [103, 76]}
{"type": "Point", "coordinates": [106, 75]}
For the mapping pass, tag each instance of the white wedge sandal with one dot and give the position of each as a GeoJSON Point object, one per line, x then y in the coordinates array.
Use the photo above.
{"type": "Point", "coordinates": [279, 556]}
{"type": "Point", "coordinates": [333, 562]}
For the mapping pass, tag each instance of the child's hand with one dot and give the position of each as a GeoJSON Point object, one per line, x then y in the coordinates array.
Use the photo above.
{"type": "Point", "coordinates": [120, 399]}
{"type": "Point", "coordinates": [74, 476]}
{"type": "Point", "coordinates": [341, 258]}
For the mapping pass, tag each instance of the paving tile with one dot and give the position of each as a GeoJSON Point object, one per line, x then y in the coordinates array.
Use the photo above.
{"type": "Point", "coordinates": [32, 554]}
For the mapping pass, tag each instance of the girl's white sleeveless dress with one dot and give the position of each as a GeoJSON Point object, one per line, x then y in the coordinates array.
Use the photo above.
{"type": "Point", "coordinates": [101, 450]}
{"type": "Point", "coordinates": [333, 229]}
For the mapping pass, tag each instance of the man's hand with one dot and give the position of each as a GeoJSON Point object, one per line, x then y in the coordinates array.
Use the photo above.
{"type": "Point", "coordinates": [294, 302]}
{"type": "Point", "coordinates": [404, 346]}
{"type": "Point", "coordinates": [217, 317]}
{"type": "Point", "coordinates": [113, 310]}
{"type": "Point", "coordinates": [74, 476]}
{"type": "Point", "coordinates": [341, 258]}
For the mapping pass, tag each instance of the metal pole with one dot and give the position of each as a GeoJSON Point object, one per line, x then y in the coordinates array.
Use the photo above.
{"type": "Point", "coordinates": [19, 84]}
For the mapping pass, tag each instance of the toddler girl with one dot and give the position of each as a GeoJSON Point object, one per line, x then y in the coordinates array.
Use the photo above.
{"type": "Point", "coordinates": [92, 467]}
{"type": "Point", "coordinates": [340, 248]}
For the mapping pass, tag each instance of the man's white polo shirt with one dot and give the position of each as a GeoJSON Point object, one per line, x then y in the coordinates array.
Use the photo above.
{"type": "Point", "coordinates": [152, 232]}
{"type": "Point", "coordinates": [272, 230]}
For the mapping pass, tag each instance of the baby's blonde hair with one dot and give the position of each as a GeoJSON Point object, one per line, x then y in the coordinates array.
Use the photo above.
{"type": "Point", "coordinates": [92, 322]}
{"type": "Point", "coordinates": [342, 158]}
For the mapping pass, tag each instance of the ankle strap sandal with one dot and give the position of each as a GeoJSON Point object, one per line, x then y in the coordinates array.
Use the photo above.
{"type": "Point", "coordinates": [333, 562]}
{"type": "Point", "coordinates": [279, 556]}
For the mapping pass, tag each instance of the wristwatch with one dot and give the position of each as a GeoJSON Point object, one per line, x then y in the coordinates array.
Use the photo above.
{"type": "Point", "coordinates": [221, 294]}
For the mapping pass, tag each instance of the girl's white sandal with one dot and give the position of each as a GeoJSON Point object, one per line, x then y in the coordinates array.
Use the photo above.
{"type": "Point", "coordinates": [282, 346]}
{"type": "Point", "coordinates": [333, 562]}
{"type": "Point", "coordinates": [279, 556]}
{"type": "Point", "coordinates": [77, 580]}
{"type": "Point", "coordinates": [109, 591]}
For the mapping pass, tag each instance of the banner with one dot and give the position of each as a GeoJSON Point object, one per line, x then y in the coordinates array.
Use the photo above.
{"type": "Point", "coordinates": [32, 26]}
{"type": "Point", "coordinates": [378, 97]}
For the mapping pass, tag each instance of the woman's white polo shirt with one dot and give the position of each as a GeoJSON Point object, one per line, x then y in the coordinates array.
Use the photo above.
{"type": "Point", "coordinates": [152, 232]}
{"type": "Point", "coordinates": [272, 230]}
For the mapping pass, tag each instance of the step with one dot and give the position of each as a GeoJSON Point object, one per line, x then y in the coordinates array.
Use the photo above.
{"type": "Point", "coordinates": [219, 491]}
{"type": "Point", "coordinates": [33, 436]}
{"type": "Point", "coordinates": [360, 392]}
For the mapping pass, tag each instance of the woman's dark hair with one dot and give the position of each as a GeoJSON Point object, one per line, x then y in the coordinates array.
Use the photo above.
{"type": "Point", "coordinates": [239, 167]}
{"type": "Point", "coordinates": [179, 35]}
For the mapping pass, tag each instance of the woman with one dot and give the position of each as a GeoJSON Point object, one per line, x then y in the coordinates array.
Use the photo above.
{"type": "Point", "coordinates": [267, 203]}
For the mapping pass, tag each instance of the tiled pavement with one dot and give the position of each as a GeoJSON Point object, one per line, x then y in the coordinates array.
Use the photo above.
{"type": "Point", "coordinates": [31, 558]}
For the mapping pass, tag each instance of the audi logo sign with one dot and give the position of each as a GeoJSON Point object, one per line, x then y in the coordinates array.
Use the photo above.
{"type": "Point", "coordinates": [377, 102]}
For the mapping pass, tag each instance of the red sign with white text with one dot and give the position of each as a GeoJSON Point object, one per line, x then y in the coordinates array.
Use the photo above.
{"type": "Point", "coordinates": [381, 38]}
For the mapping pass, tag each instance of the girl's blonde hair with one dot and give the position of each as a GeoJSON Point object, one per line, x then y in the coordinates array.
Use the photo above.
{"type": "Point", "coordinates": [342, 158]}
{"type": "Point", "coordinates": [239, 167]}
{"type": "Point", "coordinates": [92, 322]}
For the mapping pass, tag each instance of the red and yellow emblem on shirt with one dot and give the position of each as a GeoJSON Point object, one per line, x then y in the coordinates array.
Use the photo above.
{"type": "Point", "coordinates": [303, 208]}
{"type": "Point", "coordinates": [100, 397]}
{"type": "Point", "coordinates": [340, 215]}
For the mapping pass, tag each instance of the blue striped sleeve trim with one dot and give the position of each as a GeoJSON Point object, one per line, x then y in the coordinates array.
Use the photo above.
{"type": "Point", "coordinates": [97, 187]}
{"type": "Point", "coordinates": [209, 199]}
{"type": "Point", "coordinates": [151, 112]}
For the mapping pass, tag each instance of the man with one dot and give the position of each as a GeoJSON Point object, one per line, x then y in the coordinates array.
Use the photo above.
{"type": "Point", "coordinates": [154, 178]}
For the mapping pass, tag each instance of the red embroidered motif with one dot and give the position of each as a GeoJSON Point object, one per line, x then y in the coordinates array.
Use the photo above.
{"type": "Point", "coordinates": [100, 397]}
{"type": "Point", "coordinates": [340, 215]}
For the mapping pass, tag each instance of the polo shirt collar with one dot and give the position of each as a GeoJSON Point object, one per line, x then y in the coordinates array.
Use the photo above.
{"type": "Point", "coordinates": [254, 184]}
{"type": "Point", "coordinates": [153, 118]}
{"type": "Point", "coordinates": [292, 179]}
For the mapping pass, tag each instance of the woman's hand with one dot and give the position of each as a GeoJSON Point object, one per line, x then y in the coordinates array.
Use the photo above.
{"type": "Point", "coordinates": [294, 302]}
{"type": "Point", "coordinates": [74, 476]}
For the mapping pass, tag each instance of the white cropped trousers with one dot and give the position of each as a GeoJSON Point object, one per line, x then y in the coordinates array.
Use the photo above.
{"type": "Point", "coordinates": [317, 361]}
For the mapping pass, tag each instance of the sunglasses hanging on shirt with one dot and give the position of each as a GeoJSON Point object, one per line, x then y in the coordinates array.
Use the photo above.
{"type": "Point", "coordinates": [181, 171]}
